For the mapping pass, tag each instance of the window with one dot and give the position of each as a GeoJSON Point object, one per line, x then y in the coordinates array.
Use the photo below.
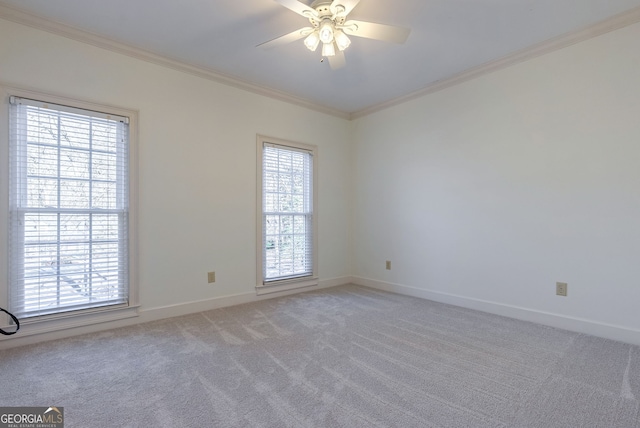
{"type": "Point", "coordinates": [69, 214]}
{"type": "Point", "coordinates": [287, 227]}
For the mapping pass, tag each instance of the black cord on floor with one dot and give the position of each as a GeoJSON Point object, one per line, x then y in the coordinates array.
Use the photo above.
{"type": "Point", "coordinates": [9, 333]}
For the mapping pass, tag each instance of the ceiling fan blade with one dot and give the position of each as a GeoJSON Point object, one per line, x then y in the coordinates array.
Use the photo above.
{"type": "Point", "coordinates": [337, 61]}
{"type": "Point", "coordinates": [299, 8]}
{"type": "Point", "coordinates": [287, 38]}
{"type": "Point", "coordinates": [370, 30]}
{"type": "Point", "coordinates": [347, 6]}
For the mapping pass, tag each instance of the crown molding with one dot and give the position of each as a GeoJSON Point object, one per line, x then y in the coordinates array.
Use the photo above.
{"type": "Point", "coordinates": [25, 18]}
{"type": "Point", "coordinates": [611, 24]}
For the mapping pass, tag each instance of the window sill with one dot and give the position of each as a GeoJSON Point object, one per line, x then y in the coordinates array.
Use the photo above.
{"type": "Point", "coordinates": [285, 286]}
{"type": "Point", "coordinates": [31, 327]}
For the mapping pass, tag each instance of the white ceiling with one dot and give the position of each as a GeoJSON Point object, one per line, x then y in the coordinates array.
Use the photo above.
{"type": "Point", "coordinates": [448, 37]}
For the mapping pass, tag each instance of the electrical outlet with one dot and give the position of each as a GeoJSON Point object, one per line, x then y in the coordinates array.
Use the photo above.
{"type": "Point", "coordinates": [561, 288]}
{"type": "Point", "coordinates": [211, 277]}
{"type": "Point", "coordinates": [388, 264]}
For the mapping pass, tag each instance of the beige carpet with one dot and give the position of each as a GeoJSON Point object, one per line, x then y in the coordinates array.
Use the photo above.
{"type": "Point", "coordinates": [342, 357]}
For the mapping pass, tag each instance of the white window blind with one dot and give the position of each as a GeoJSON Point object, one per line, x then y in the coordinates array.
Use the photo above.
{"type": "Point", "coordinates": [68, 208]}
{"type": "Point", "coordinates": [287, 213]}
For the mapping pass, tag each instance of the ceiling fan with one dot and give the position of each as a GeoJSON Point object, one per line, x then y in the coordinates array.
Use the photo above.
{"type": "Point", "coordinates": [329, 26]}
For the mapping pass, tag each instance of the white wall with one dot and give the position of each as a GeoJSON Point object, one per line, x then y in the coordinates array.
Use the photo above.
{"type": "Point", "coordinates": [197, 163]}
{"type": "Point", "coordinates": [487, 193]}
{"type": "Point", "coordinates": [483, 195]}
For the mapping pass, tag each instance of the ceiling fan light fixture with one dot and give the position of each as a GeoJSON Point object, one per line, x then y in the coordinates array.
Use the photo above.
{"type": "Point", "coordinates": [326, 31]}
{"type": "Point", "coordinates": [330, 25]}
{"type": "Point", "coordinates": [342, 40]}
{"type": "Point", "coordinates": [328, 49]}
{"type": "Point", "coordinates": [312, 41]}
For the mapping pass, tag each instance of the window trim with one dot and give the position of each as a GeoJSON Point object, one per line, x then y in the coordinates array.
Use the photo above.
{"type": "Point", "coordinates": [64, 320]}
{"type": "Point", "coordinates": [289, 283]}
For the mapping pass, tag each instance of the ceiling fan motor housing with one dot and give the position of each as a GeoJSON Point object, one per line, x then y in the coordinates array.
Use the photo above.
{"type": "Point", "coordinates": [323, 9]}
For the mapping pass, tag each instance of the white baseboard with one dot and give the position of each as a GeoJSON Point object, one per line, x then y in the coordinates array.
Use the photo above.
{"type": "Point", "coordinates": [73, 327]}
{"type": "Point", "coordinates": [232, 300]}
{"type": "Point", "coordinates": [579, 325]}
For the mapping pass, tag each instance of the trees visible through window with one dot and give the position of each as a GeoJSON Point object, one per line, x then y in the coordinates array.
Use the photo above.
{"type": "Point", "coordinates": [68, 209]}
{"type": "Point", "coordinates": [287, 211]}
